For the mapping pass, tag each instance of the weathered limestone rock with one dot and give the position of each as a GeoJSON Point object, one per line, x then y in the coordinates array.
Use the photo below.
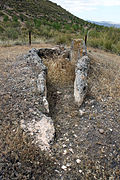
{"type": "Point", "coordinates": [78, 55]}
{"type": "Point", "coordinates": [37, 124]}
{"type": "Point", "coordinates": [41, 129]}
{"type": "Point", "coordinates": [78, 49]}
{"type": "Point", "coordinates": [33, 58]}
{"type": "Point", "coordinates": [80, 83]}
{"type": "Point", "coordinates": [41, 70]}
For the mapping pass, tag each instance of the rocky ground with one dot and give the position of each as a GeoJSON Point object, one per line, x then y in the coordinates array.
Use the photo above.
{"type": "Point", "coordinates": [87, 139]}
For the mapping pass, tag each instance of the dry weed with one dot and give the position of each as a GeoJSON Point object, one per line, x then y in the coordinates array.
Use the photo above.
{"type": "Point", "coordinates": [60, 71]}
{"type": "Point", "coordinates": [104, 78]}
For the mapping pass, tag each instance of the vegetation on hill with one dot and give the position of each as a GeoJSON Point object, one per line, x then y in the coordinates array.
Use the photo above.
{"type": "Point", "coordinates": [49, 21]}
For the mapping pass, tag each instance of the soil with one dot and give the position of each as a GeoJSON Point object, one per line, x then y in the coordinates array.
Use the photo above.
{"type": "Point", "coordinates": [87, 139]}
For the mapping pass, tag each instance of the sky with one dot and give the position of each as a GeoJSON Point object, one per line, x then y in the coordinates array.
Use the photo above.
{"type": "Point", "coordinates": [94, 10]}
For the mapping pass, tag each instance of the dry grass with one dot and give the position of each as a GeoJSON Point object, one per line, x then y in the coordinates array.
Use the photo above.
{"type": "Point", "coordinates": [104, 77]}
{"type": "Point", "coordinates": [14, 51]}
{"type": "Point", "coordinates": [60, 71]}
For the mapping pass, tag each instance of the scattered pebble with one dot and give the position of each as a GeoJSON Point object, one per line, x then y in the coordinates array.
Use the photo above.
{"type": "Point", "coordinates": [65, 152]}
{"type": "Point", "coordinates": [56, 171]}
{"type": "Point", "coordinates": [80, 171]}
{"type": "Point", "coordinates": [64, 168]}
{"type": "Point", "coordinates": [71, 150]}
{"type": "Point", "coordinates": [58, 92]}
{"type": "Point", "coordinates": [68, 164]}
{"type": "Point", "coordinates": [78, 161]}
{"type": "Point", "coordinates": [101, 131]}
{"type": "Point", "coordinates": [64, 146]}
{"type": "Point", "coordinates": [81, 112]}
{"type": "Point", "coordinates": [75, 135]}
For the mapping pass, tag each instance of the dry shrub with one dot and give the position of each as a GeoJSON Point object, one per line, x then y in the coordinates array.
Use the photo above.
{"type": "Point", "coordinates": [60, 71]}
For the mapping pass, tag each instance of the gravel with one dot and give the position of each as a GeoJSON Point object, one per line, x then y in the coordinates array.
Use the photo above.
{"type": "Point", "coordinates": [87, 139]}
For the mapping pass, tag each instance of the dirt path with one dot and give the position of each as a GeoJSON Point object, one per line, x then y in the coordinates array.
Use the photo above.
{"type": "Point", "coordinates": [87, 142]}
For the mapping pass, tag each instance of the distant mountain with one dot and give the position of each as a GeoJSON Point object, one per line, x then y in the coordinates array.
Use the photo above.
{"type": "Point", "coordinates": [107, 24]}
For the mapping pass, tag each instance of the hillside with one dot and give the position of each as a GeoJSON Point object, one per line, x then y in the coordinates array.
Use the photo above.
{"type": "Point", "coordinates": [24, 10]}
{"type": "Point", "coordinates": [38, 15]}
{"type": "Point", "coordinates": [49, 22]}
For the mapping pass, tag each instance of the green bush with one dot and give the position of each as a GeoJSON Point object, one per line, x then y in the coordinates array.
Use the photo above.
{"type": "Point", "coordinates": [117, 48]}
{"type": "Point", "coordinates": [5, 19]}
{"type": "Point", "coordinates": [56, 26]}
{"type": "Point", "coordinates": [108, 45]}
{"type": "Point", "coordinates": [37, 23]}
{"type": "Point", "coordinates": [94, 43]}
{"type": "Point", "coordinates": [67, 26]}
{"type": "Point", "coordinates": [15, 19]}
{"type": "Point", "coordinates": [12, 34]}
{"type": "Point", "coordinates": [94, 34]}
{"type": "Point", "coordinates": [63, 39]}
{"type": "Point", "coordinates": [21, 17]}
{"type": "Point", "coordinates": [75, 27]}
{"type": "Point", "coordinates": [46, 32]}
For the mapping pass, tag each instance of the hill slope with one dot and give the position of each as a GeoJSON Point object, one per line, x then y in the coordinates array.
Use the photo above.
{"type": "Point", "coordinates": [35, 9]}
{"type": "Point", "coordinates": [32, 14]}
{"type": "Point", "coordinates": [49, 21]}
{"type": "Point", "coordinates": [43, 17]}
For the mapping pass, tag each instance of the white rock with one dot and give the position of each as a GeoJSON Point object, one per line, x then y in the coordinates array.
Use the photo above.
{"type": "Point", "coordinates": [78, 161]}
{"type": "Point", "coordinates": [101, 131]}
{"type": "Point", "coordinates": [64, 168]}
{"type": "Point", "coordinates": [68, 164]}
{"type": "Point", "coordinates": [65, 152]}
{"type": "Point", "coordinates": [80, 171]}
{"type": "Point", "coordinates": [58, 92]}
{"type": "Point", "coordinates": [41, 129]}
{"type": "Point", "coordinates": [81, 112]}
{"type": "Point", "coordinates": [75, 135]}
{"type": "Point", "coordinates": [71, 150]}
{"type": "Point", "coordinates": [64, 146]}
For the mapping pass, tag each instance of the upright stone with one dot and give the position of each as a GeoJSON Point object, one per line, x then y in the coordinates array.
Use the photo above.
{"type": "Point", "coordinates": [80, 83]}
{"type": "Point", "coordinates": [78, 49]}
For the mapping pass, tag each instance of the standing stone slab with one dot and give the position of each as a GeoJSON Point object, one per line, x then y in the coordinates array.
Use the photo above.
{"type": "Point", "coordinates": [80, 83]}
{"type": "Point", "coordinates": [78, 49]}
